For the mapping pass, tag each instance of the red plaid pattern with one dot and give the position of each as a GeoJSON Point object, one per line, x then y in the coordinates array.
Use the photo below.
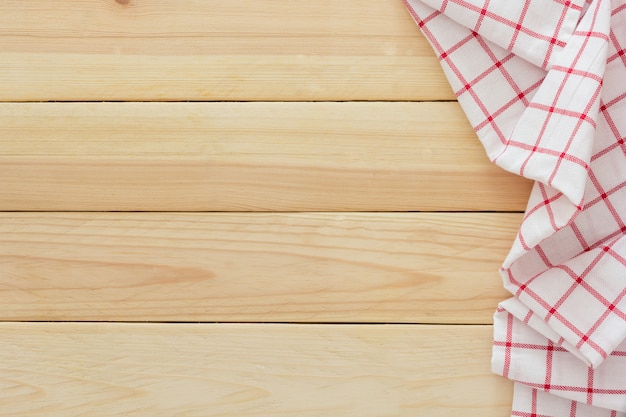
{"type": "Point", "coordinates": [511, 26]}
{"type": "Point", "coordinates": [531, 402]}
{"type": "Point", "coordinates": [543, 82]}
{"type": "Point", "coordinates": [522, 338]}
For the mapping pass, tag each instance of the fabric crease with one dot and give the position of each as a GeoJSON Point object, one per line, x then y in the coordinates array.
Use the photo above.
{"type": "Point", "coordinates": [543, 83]}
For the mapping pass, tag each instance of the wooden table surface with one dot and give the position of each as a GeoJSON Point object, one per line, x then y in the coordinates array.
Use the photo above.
{"type": "Point", "coordinates": [242, 208]}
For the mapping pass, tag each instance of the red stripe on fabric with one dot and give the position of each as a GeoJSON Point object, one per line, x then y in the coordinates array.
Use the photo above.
{"type": "Point", "coordinates": [481, 16]}
{"type": "Point", "coordinates": [597, 35]}
{"type": "Point", "coordinates": [445, 58]}
{"type": "Point", "coordinates": [520, 24]}
{"type": "Point", "coordinates": [554, 109]}
{"type": "Point", "coordinates": [610, 308]}
{"type": "Point", "coordinates": [527, 317]}
{"type": "Point", "coordinates": [512, 24]}
{"type": "Point", "coordinates": [544, 257]}
{"type": "Point", "coordinates": [590, 385]}
{"type": "Point", "coordinates": [549, 352]}
{"type": "Point", "coordinates": [604, 197]}
{"type": "Point", "coordinates": [557, 28]}
{"type": "Point", "coordinates": [547, 151]}
{"type": "Point", "coordinates": [548, 207]}
{"type": "Point", "coordinates": [526, 414]}
{"type": "Point", "coordinates": [520, 97]}
{"type": "Point", "coordinates": [529, 346]}
{"type": "Point", "coordinates": [581, 73]}
{"type": "Point", "coordinates": [578, 389]}
{"type": "Point", "coordinates": [576, 115]}
{"type": "Point", "coordinates": [584, 339]}
{"type": "Point", "coordinates": [579, 236]}
{"type": "Point", "coordinates": [618, 9]}
{"type": "Point", "coordinates": [484, 74]}
{"type": "Point", "coordinates": [509, 343]}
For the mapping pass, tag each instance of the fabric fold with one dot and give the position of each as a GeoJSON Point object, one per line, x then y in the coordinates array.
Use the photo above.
{"type": "Point", "coordinates": [553, 139]}
{"type": "Point", "coordinates": [543, 83]}
{"type": "Point", "coordinates": [533, 402]}
{"type": "Point", "coordinates": [516, 345]}
{"type": "Point", "coordinates": [527, 29]}
{"type": "Point", "coordinates": [582, 299]}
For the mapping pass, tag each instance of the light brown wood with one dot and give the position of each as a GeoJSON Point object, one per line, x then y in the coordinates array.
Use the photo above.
{"type": "Point", "coordinates": [247, 157]}
{"type": "Point", "coordinates": [309, 267]}
{"type": "Point", "coordinates": [68, 370]}
{"type": "Point", "coordinates": [294, 150]}
{"type": "Point", "coordinates": [214, 50]}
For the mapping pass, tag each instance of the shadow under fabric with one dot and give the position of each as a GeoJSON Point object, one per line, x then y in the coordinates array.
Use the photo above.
{"type": "Point", "coordinates": [543, 83]}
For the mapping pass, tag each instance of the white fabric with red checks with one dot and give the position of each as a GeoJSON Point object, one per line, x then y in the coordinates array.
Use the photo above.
{"type": "Point", "coordinates": [543, 83]}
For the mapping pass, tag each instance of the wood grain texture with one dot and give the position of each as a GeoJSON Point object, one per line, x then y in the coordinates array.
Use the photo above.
{"type": "Point", "coordinates": [68, 370]}
{"type": "Point", "coordinates": [275, 139]}
{"type": "Point", "coordinates": [247, 157]}
{"type": "Point", "coordinates": [214, 50]}
{"type": "Point", "coordinates": [308, 267]}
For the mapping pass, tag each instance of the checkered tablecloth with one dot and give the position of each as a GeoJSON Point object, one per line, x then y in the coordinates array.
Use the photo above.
{"type": "Point", "coordinates": [543, 83]}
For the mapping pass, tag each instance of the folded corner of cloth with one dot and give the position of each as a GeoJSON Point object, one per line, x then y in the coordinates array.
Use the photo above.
{"type": "Point", "coordinates": [543, 83]}
{"type": "Point", "coordinates": [536, 357]}
{"type": "Point", "coordinates": [531, 89]}
{"type": "Point", "coordinates": [530, 401]}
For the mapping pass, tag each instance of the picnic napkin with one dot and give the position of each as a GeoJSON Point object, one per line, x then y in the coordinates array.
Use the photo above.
{"type": "Point", "coordinates": [543, 83]}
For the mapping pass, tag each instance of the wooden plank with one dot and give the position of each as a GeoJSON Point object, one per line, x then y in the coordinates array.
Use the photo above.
{"type": "Point", "coordinates": [248, 370]}
{"type": "Point", "coordinates": [248, 157]}
{"type": "Point", "coordinates": [214, 50]}
{"type": "Point", "coordinates": [308, 267]}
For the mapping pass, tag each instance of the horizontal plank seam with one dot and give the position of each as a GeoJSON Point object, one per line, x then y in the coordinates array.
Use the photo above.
{"type": "Point", "coordinates": [278, 323]}
{"type": "Point", "coordinates": [270, 212]}
{"type": "Point", "coordinates": [233, 101]}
